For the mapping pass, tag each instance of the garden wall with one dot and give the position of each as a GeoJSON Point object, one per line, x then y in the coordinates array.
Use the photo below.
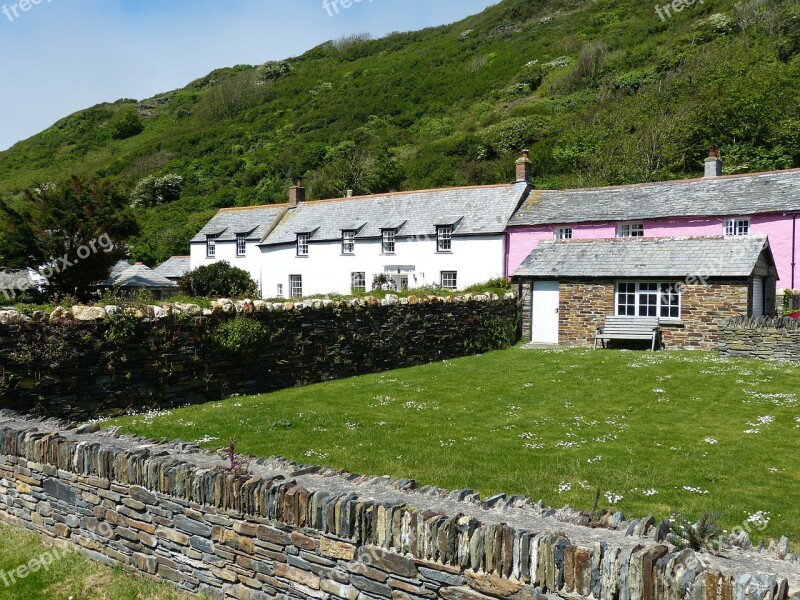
{"type": "Point", "coordinates": [168, 512]}
{"type": "Point", "coordinates": [88, 362]}
{"type": "Point", "coordinates": [768, 338]}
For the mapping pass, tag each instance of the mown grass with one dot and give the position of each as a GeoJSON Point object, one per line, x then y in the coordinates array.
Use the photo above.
{"type": "Point", "coordinates": [67, 576]}
{"type": "Point", "coordinates": [665, 432]}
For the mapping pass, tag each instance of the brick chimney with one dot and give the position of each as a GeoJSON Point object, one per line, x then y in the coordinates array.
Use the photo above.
{"type": "Point", "coordinates": [297, 194]}
{"type": "Point", "coordinates": [713, 163]}
{"type": "Point", "coordinates": [524, 165]}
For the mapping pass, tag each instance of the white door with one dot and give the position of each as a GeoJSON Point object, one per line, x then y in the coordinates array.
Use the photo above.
{"type": "Point", "coordinates": [544, 312]}
{"type": "Point", "coordinates": [758, 297]}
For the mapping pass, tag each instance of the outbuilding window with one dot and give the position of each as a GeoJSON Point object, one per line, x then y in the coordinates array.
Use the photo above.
{"type": "Point", "coordinates": [648, 299]}
{"type": "Point", "coordinates": [737, 227]}
{"type": "Point", "coordinates": [626, 230]}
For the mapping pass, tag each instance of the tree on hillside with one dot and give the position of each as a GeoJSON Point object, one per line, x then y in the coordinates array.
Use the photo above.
{"type": "Point", "coordinates": [71, 233]}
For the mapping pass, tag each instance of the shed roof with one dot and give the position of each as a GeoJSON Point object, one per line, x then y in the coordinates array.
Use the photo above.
{"type": "Point", "coordinates": [139, 276]}
{"type": "Point", "coordinates": [704, 257]}
{"type": "Point", "coordinates": [174, 267]}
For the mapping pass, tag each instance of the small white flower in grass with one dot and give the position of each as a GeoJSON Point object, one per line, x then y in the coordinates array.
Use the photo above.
{"type": "Point", "coordinates": [612, 497]}
{"type": "Point", "coordinates": [564, 487]}
{"type": "Point", "coordinates": [659, 391]}
{"type": "Point", "coordinates": [528, 435]}
{"type": "Point", "coordinates": [650, 492]}
{"type": "Point", "coordinates": [710, 440]}
{"type": "Point", "coordinates": [695, 490]}
{"type": "Point", "coordinates": [352, 426]}
{"type": "Point", "coordinates": [597, 458]}
{"type": "Point", "coordinates": [206, 439]}
{"type": "Point", "coordinates": [760, 518]}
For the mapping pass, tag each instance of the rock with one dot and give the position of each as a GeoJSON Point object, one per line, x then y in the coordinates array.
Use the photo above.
{"type": "Point", "coordinates": [60, 314]}
{"type": "Point", "coordinates": [188, 309]}
{"type": "Point", "coordinates": [88, 313]}
{"type": "Point", "coordinates": [112, 310]}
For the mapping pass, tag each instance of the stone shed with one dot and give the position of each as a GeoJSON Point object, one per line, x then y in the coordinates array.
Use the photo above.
{"type": "Point", "coordinates": [568, 288]}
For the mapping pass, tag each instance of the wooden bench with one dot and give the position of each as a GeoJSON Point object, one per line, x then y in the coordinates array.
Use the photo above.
{"type": "Point", "coordinates": [628, 328]}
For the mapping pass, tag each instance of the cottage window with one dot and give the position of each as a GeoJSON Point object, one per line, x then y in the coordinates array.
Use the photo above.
{"type": "Point", "coordinates": [388, 241]}
{"type": "Point", "coordinates": [302, 244]}
{"type": "Point", "coordinates": [648, 299]}
{"type": "Point", "coordinates": [241, 245]}
{"type": "Point", "coordinates": [563, 233]}
{"type": "Point", "coordinates": [626, 230]}
{"type": "Point", "coordinates": [296, 286]}
{"type": "Point", "coordinates": [444, 238]}
{"type": "Point", "coordinates": [358, 282]}
{"type": "Point", "coordinates": [211, 246]}
{"type": "Point", "coordinates": [348, 242]}
{"type": "Point", "coordinates": [280, 291]}
{"type": "Point", "coordinates": [450, 280]}
{"type": "Point", "coordinates": [737, 227]}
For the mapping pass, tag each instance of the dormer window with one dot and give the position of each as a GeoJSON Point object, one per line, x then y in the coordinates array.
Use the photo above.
{"type": "Point", "coordinates": [302, 244]}
{"type": "Point", "coordinates": [737, 227]}
{"type": "Point", "coordinates": [628, 230]}
{"type": "Point", "coordinates": [444, 238]}
{"type": "Point", "coordinates": [211, 246]}
{"type": "Point", "coordinates": [388, 241]}
{"type": "Point", "coordinates": [563, 233]}
{"type": "Point", "coordinates": [241, 244]}
{"type": "Point", "coordinates": [348, 242]}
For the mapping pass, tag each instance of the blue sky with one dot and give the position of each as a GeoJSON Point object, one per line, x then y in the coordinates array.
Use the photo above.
{"type": "Point", "coordinates": [60, 56]}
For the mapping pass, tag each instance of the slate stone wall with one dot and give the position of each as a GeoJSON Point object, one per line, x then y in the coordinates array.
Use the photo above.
{"type": "Point", "coordinates": [768, 338]}
{"type": "Point", "coordinates": [166, 513]}
{"type": "Point", "coordinates": [66, 367]}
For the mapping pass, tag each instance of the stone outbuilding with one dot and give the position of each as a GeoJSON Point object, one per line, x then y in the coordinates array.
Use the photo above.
{"type": "Point", "coordinates": [568, 288]}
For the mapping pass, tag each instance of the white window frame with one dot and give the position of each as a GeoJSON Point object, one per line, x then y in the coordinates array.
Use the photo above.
{"type": "Point", "coordinates": [444, 238]}
{"type": "Point", "coordinates": [630, 230]}
{"type": "Point", "coordinates": [563, 233]}
{"type": "Point", "coordinates": [388, 241]}
{"type": "Point", "coordinates": [211, 246]}
{"type": "Point", "coordinates": [348, 242]}
{"type": "Point", "coordinates": [241, 245]}
{"type": "Point", "coordinates": [734, 227]}
{"type": "Point", "coordinates": [280, 291]}
{"type": "Point", "coordinates": [296, 286]}
{"type": "Point", "coordinates": [448, 280]}
{"type": "Point", "coordinates": [358, 281]}
{"type": "Point", "coordinates": [662, 299]}
{"type": "Point", "coordinates": [302, 244]}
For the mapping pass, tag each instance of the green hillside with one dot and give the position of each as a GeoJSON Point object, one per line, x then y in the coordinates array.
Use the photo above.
{"type": "Point", "coordinates": [603, 92]}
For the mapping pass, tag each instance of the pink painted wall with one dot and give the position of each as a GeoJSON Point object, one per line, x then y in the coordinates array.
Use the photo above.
{"type": "Point", "coordinates": [522, 240]}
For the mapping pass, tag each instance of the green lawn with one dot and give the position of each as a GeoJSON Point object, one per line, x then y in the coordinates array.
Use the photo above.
{"type": "Point", "coordinates": [67, 575]}
{"type": "Point", "coordinates": [656, 432]}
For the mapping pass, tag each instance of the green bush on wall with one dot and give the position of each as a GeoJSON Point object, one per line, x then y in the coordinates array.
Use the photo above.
{"type": "Point", "coordinates": [220, 280]}
{"type": "Point", "coordinates": [240, 336]}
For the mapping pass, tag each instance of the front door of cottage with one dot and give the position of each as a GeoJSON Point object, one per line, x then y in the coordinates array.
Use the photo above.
{"type": "Point", "coordinates": [544, 312]}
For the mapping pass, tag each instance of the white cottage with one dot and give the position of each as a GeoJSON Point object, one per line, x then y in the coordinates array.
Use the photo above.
{"type": "Point", "coordinates": [453, 237]}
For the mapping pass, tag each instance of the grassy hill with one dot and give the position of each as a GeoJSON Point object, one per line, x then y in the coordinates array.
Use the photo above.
{"type": "Point", "coordinates": [603, 92]}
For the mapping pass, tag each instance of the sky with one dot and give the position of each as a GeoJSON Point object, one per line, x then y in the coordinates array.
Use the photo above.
{"type": "Point", "coordinates": [60, 56]}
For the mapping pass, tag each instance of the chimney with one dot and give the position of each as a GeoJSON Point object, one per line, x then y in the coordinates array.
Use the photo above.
{"type": "Point", "coordinates": [297, 194]}
{"type": "Point", "coordinates": [524, 167]}
{"type": "Point", "coordinates": [713, 163]}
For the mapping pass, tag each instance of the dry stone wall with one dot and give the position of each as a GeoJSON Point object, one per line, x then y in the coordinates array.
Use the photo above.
{"type": "Point", "coordinates": [91, 361]}
{"type": "Point", "coordinates": [768, 338]}
{"type": "Point", "coordinates": [168, 512]}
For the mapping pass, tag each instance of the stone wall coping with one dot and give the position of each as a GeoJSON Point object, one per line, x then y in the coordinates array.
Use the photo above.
{"type": "Point", "coordinates": [227, 306]}
{"type": "Point", "coordinates": [31, 438]}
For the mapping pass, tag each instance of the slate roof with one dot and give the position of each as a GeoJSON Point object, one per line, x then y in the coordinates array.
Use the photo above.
{"type": "Point", "coordinates": [255, 222]}
{"type": "Point", "coordinates": [732, 195]}
{"type": "Point", "coordinates": [707, 257]}
{"type": "Point", "coordinates": [472, 210]}
{"type": "Point", "coordinates": [13, 280]}
{"type": "Point", "coordinates": [139, 276]}
{"type": "Point", "coordinates": [174, 267]}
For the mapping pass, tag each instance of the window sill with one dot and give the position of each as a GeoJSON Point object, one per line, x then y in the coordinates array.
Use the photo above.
{"type": "Point", "coordinates": [671, 322]}
{"type": "Point", "coordinates": [302, 256]}
{"type": "Point", "coordinates": [347, 254]}
{"type": "Point", "coordinates": [388, 253]}
{"type": "Point", "coordinates": [444, 252]}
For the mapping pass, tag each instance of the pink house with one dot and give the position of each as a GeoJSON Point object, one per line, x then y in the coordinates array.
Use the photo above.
{"type": "Point", "coordinates": [689, 252]}
{"type": "Point", "coordinates": [762, 203]}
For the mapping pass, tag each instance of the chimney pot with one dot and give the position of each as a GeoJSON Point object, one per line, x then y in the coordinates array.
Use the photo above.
{"type": "Point", "coordinates": [524, 167]}
{"type": "Point", "coordinates": [713, 163]}
{"type": "Point", "coordinates": [297, 194]}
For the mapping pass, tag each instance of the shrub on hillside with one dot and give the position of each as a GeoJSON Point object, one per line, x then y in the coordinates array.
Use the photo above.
{"type": "Point", "coordinates": [127, 125]}
{"type": "Point", "coordinates": [220, 280]}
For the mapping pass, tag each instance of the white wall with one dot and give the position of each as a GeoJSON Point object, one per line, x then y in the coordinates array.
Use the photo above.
{"type": "Point", "coordinates": [226, 251]}
{"type": "Point", "coordinates": [326, 270]}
